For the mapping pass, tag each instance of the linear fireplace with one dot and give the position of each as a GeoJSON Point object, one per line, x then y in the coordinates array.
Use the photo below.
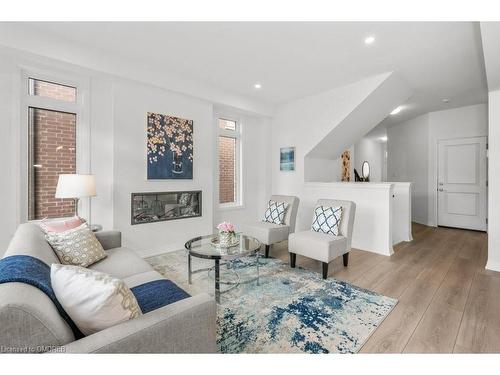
{"type": "Point", "coordinates": [162, 206]}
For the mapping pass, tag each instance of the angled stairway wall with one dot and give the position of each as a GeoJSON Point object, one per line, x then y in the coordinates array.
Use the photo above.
{"type": "Point", "coordinates": [386, 92]}
{"type": "Point", "coordinates": [321, 127]}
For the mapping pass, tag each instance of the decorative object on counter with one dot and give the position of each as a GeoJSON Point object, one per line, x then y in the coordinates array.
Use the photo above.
{"type": "Point", "coordinates": [357, 178]}
{"type": "Point", "coordinates": [346, 166]}
{"type": "Point", "coordinates": [169, 147]}
{"type": "Point", "coordinates": [162, 206]}
{"type": "Point", "coordinates": [365, 171]}
{"type": "Point", "coordinates": [227, 235]}
{"type": "Point", "coordinates": [287, 159]}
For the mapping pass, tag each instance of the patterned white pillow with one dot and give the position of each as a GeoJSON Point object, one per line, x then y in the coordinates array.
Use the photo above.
{"type": "Point", "coordinates": [327, 220]}
{"type": "Point", "coordinates": [275, 212]}
{"type": "Point", "coordinates": [77, 247]}
{"type": "Point", "coordinates": [93, 300]}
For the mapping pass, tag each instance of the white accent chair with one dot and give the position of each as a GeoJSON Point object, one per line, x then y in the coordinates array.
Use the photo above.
{"type": "Point", "coordinates": [270, 233]}
{"type": "Point", "coordinates": [321, 246]}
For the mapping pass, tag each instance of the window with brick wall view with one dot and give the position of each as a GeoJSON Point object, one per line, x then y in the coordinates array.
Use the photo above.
{"type": "Point", "coordinates": [228, 161]}
{"type": "Point", "coordinates": [52, 151]}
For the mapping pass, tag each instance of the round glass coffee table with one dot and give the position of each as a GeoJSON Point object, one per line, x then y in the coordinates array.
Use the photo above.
{"type": "Point", "coordinates": [207, 247]}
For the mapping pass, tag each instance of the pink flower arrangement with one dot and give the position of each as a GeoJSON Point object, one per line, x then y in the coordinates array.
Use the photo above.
{"type": "Point", "coordinates": [225, 227]}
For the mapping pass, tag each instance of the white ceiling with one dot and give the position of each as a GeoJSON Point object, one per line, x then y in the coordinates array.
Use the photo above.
{"type": "Point", "coordinates": [292, 60]}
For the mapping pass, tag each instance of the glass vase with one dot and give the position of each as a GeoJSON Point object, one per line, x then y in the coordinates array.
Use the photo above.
{"type": "Point", "coordinates": [225, 239]}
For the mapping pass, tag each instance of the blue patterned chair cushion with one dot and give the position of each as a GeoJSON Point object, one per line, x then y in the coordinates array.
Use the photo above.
{"type": "Point", "coordinates": [327, 220]}
{"type": "Point", "coordinates": [275, 212]}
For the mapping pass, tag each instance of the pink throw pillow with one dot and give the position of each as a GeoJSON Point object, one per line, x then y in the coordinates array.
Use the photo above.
{"type": "Point", "coordinates": [61, 225]}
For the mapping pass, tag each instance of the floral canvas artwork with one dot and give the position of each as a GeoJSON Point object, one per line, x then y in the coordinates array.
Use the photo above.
{"type": "Point", "coordinates": [169, 147]}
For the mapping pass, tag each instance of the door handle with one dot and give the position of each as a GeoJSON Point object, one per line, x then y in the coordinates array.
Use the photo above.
{"type": "Point", "coordinates": [441, 189]}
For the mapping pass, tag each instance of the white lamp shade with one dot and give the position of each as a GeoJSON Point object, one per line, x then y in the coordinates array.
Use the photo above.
{"type": "Point", "coordinates": [75, 186]}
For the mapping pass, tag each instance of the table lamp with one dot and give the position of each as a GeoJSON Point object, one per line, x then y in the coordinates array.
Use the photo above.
{"type": "Point", "coordinates": [75, 186]}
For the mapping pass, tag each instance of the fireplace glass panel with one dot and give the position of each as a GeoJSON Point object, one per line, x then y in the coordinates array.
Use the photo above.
{"type": "Point", "coordinates": [161, 206]}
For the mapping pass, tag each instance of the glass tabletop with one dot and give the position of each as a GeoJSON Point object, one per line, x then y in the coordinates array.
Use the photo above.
{"type": "Point", "coordinates": [207, 247]}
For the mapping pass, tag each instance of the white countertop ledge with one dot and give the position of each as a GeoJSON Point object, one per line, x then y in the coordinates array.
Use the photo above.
{"type": "Point", "coordinates": [350, 185]}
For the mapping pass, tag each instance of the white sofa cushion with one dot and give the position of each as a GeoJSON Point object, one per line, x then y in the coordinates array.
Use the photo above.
{"type": "Point", "coordinates": [267, 233]}
{"type": "Point", "coordinates": [121, 263]}
{"type": "Point", "coordinates": [319, 246]}
{"type": "Point", "coordinates": [94, 300]}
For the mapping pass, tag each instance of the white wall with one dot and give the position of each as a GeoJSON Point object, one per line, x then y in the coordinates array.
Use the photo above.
{"type": "Point", "coordinates": [407, 160]}
{"type": "Point", "coordinates": [326, 170]}
{"type": "Point", "coordinates": [101, 149]}
{"type": "Point", "coordinates": [117, 117]}
{"type": "Point", "coordinates": [401, 218]}
{"type": "Point", "coordinates": [372, 151]}
{"type": "Point", "coordinates": [407, 150]}
{"type": "Point", "coordinates": [9, 116]}
{"type": "Point", "coordinates": [490, 34]}
{"type": "Point", "coordinates": [412, 152]}
{"type": "Point", "coordinates": [132, 101]}
{"type": "Point", "coordinates": [494, 182]}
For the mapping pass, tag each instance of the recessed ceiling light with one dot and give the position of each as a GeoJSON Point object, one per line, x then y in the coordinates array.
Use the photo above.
{"type": "Point", "coordinates": [257, 86]}
{"type": "Point", "coordinates": [446, 100]}
{"type": "Point", "coordinates": [383, 139]}
{"type": "Point", "coordinates": [396, 110]}
{"type": "Point", "coordinates": [369, 40]}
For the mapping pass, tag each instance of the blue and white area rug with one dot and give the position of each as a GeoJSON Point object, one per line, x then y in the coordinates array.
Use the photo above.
{"type": "Point", "coordinates": [290, 311]}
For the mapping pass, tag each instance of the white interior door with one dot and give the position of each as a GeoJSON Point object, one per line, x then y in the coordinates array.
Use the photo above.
{"type": "Point", "coordinates": [462, 186]}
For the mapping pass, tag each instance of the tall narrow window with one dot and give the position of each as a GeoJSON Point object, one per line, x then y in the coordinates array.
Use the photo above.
{"type": "Point", "coordinates": [51, 148]}
{"type": "Point", "coordinates": [229, 162]}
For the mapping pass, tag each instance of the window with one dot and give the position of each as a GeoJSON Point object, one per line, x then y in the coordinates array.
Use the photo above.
{"type": "Point", "coordinates": [51, 90]}
{"type": "Point", "coordinates": [229, 162]}
{"type": "Point", "coordinates": [52, 124]}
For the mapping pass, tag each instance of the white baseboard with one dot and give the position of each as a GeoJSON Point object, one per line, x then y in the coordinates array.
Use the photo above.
{"type": "Point", "coordinates": [492, 266]}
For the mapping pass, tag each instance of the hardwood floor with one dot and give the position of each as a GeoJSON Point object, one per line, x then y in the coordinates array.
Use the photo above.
{"type": "Point", "coordinates": [448, 302]}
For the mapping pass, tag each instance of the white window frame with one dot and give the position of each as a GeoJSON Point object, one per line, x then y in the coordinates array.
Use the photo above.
{"type": "Point", "coordinates": [238, 135]}
{"type": "Point", "coordinates": [80, 108]}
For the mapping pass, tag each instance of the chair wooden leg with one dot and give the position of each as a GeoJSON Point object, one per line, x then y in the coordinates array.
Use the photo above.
{"type": "Point", "coordinates": [267, 250]}
{"type": "Point", "coordinates": [346, 259]}
{"type": "Point", "coordinates": [325, 270]}
{"type": "Point", "coordinates": [293, 258]}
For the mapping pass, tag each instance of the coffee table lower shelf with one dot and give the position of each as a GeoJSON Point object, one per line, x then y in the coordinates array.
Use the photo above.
{"type": "Point", "coordinates": [202, 247]}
